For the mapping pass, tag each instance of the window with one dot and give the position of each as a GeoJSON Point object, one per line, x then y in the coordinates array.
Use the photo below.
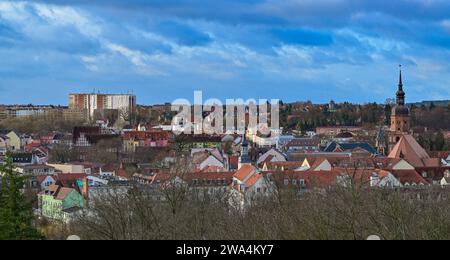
{"type": "Point", "coordinates": [302, 183]}
{"type": "Point", "coordinates": [286, 182]}
{"type": "Point", "coordinates": [294, 182]}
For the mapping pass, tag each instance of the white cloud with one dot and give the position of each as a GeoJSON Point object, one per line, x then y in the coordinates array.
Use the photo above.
{"type": "Point", "coordinates": [68, 16]}
{"type": "Point", "coordinates": [138, 59]}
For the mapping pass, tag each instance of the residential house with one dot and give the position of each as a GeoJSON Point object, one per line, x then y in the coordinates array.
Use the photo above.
{"type": "Point", "coordinates": [21, 159]}
{"type": "Point", "coordinates": [371, 178]}
{"type": "Point", "coordinates": [205, 158]}
{"type": "Point", "coordinates": [68, 167]}
{"type": "Point", "coordinates": [357, 149]}
{"type": "Point", "coordinates": [429, 168]}
{"type": "Point", "coordinates": [282, 166]}
{"type": "Point", "coordinates": [282, 141]}
{"type": "Point", "coordinates": [310, 144]}
{"type": "Point", "coordinates": [59, 203]}
{"type": "Point", "coordinates": [44, 182]}
{"type": "Point", "coordinates": [4, 143]}
{"type": "Point", "coordinates": [446, 179]}
{"type": "Point", "coordinates": [248, 184]}
{"type": "Point", "coordinates": [52, 138]}
{"type": "Point", "coordinates": [35, 170]}
{"type": "Point", "coordinates": [344, 137]}
{"type": "Point", "coordinates": [89, 136]}
{"type": "Point", "coordinates": [210, 182]}
{"type": "Point", "coordinates": [202, 141]}
{"type": "Point", "coordinates": [151, 138]}
{"type": "Point", "coordinates": [94, 181]}
{"type": "Point", "coordinates": [15, 143]}
{"type": "Point", "coordinates": [261, 140]}
{"type": "Point", "coordinates": [333, 131]}
{"type": "Point", "coordinates": [273, 155]}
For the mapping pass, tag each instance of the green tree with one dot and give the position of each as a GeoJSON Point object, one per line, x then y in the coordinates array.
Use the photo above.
{"type": "Point", "coordinates": [439, 142]}
{"type": "Point", "coordinates": [16, 213]}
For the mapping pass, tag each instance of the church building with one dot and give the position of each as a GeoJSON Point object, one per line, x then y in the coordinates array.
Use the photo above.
{"type": "Point", "coordinates": [400, 117]}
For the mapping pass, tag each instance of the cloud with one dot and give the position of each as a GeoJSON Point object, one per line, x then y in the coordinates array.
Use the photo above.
{"type": "Point", "coordinates": [244, 47]}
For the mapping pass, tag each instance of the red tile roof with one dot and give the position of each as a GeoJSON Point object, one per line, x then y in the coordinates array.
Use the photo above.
{"type": "Point", "coordinates": [285, 165]}
{"type": "Point", "coordinates": [70, 176]}
{"type": "Point", "coordinates": [243, 173]}
{"type": "Point", "coordinates": [408, 148]}
{"type": "Point", "coordinates": [409, 176]}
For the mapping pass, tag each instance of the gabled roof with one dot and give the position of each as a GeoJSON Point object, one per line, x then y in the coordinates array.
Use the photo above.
{"type": "Point", "coordinates": [318, 162]}
{"type": "Point", "coordinates": [408, 149]}
{"type": "Point", "coordinates": [295, 156]}
{"type": "Point", "coordinates": [363, 176]}
{"type": "Point", "coordinates": [285, 165]}
{"type": "Point", "coordinates": [42, 178]}
{"type": "Point", "coordinates": [63, 193]}
{"type": "Point", "coordinates": [313, 141]}
{"type": "Point", "coordinates": [341, 146]}
{"type": "Point", "coordinates": [244, 172]}
{"type": "Point", "coordinates": [70, 176]}
{"type": "Point", "coordinates": [58, 192]}
{"type": "Point", "coordinates": [409, 177]}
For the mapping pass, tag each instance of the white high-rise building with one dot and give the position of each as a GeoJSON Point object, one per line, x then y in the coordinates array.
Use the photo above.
{"type": "Point", "coordinates": [124, 103]}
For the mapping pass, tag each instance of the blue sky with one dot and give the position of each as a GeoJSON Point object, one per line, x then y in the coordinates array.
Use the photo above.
{"type": "Point", "coordinates": [162, 50]}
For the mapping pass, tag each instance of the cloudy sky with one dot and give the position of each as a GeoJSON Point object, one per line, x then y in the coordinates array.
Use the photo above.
{"type": "Point", "coordinates": [161, 50]}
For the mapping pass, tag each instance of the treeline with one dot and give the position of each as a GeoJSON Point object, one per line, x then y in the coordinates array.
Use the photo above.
{"type": "Point", "coordinates": [432, 141]}
{"type": "Point", "coordinates": [306, 117]}
{"type": "Point", "coordinates": [433, 118]}
{"type": "Point", "coordinates": [313, 116]}
{"type": "Point", "coordinates": [339, 214]}
{"type": "Point", "coordinates": [39, 124]}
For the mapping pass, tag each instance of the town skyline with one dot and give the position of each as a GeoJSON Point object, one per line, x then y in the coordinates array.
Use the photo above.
{"type": "Point", "coordinates": [224, 120]}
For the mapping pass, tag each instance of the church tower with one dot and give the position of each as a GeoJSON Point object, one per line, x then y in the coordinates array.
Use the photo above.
{"type": "Point", "coordinates": [400, 119]}
{"type": "Point", "coordinates": [244, 158]}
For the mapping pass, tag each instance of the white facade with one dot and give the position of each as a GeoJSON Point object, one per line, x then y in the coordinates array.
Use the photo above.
{"type": "Point", "coordinates": [211, 161]}
{"type": "Point", "coordinates": [68, 168]}
{"type": "Point", "coordinates": [92, 102]}
{"type": "Point", "coordinates": [4, 143]}
{"type": "Point", "coordinates": [277, 156]}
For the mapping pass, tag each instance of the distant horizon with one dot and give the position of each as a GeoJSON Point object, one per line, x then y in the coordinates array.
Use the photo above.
{"type": "Point", "coordinates": [168, 102]}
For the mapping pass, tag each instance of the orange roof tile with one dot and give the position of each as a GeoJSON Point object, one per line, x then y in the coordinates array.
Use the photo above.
{"type": "Point", "coordinates": [243, 173]}
{"type": "Point", "coordinates": [408, 148]}
{"type": "Point", "coordinates": [409, 176]}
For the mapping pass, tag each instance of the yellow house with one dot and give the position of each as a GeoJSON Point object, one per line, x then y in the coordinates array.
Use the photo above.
{"type": "Point", "coordinates": [15, 143]}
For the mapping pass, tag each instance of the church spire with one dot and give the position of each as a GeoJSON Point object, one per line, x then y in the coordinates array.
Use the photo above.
{"type": "Point", "coordinates": [400, 92]}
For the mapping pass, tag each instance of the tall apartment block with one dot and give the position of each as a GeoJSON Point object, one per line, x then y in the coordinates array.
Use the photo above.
{"type": "Point", "coordinates": [91, 103]}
